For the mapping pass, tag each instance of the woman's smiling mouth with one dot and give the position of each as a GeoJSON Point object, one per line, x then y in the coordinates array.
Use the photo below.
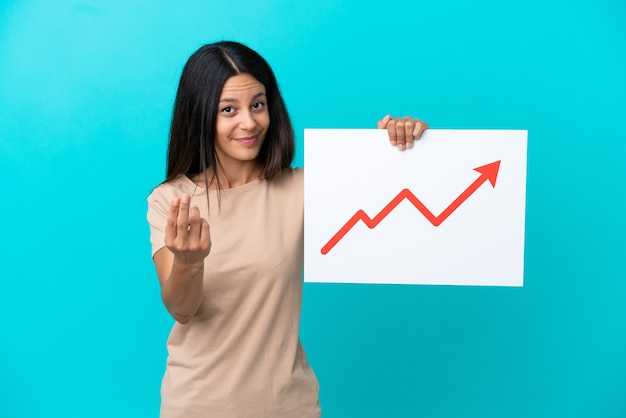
{"type": "Point", "coordinates": [248, 140]}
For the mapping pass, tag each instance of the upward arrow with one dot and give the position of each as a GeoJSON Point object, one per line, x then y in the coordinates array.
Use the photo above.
{"type": "Point", "coordinates": [487, 172]}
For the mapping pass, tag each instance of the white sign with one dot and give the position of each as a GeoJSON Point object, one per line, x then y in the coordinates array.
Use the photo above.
{"type": "Point", "coordinates": [450, 211]}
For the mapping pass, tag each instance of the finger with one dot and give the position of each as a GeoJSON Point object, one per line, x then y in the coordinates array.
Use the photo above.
{"type": "Point", "coordinates": [172, 216]}
{"type": "Point", "coordinates": [419, 129]}
{"type": "Point", "coordinates": [408, 132]}
{"type": "Point", "coordinates": [391, 131]}
{"type": "Point", "coordinates": [182, 221]}
{"type": "Point", "coordinates": [382, 124]}
{"type": "Point", "coordinates": [401, 134]}
{"type": "Point", "coordinates": [195, 223]}
{"type": "Point", "coordinates": [205, 235]}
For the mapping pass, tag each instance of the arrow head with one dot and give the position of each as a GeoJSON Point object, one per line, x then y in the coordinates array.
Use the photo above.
{"type": "Point", "coordinates": [489, 172]}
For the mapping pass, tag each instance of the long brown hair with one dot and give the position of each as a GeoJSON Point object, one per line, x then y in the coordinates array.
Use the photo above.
{"type": "Point", "coordinates": [191, 149]}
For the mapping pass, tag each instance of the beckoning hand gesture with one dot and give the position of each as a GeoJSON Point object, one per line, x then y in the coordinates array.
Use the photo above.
{"type": "Point", "coordinates": [187, 235]}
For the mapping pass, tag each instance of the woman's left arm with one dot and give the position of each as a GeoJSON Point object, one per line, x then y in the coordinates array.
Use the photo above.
{"type": "Point", "coordinates": [402, 131]}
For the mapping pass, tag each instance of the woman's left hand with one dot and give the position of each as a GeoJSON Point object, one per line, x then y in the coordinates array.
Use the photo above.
{"type": "Point", "coordinates": [402, 131]}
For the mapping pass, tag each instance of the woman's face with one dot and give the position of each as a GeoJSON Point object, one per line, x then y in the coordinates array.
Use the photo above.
{"type": "Point", "coordinates": [242, 121]}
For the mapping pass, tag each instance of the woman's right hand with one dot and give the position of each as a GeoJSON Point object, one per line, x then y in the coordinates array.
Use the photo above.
{"type": "Point", "coordinates": [180, 264]}
{"type": "Point", "coordinates": [187, 235]}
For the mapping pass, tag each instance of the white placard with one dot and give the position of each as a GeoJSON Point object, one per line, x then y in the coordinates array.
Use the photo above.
{"type": "Point", "coordinates": [450, 211]}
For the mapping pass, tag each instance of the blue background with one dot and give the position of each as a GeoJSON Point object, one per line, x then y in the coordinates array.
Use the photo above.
{"type": "Point", "coordinates": [86, 93]}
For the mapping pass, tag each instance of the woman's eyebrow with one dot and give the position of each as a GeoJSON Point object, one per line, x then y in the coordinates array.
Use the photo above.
{"type": "Point", "coordinates": [232, 100]}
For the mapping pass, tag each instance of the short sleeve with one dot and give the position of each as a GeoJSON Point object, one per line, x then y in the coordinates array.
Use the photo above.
{"type": "Point", "coordinates": [158, 206]}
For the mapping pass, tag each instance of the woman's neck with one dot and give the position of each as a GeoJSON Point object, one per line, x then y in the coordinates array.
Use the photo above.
{"type": "Point", "coordinates": [230, 177]}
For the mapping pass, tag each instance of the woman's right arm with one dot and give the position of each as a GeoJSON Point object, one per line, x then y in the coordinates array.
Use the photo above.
{"type": "Point", "coordinates": [180, 264]}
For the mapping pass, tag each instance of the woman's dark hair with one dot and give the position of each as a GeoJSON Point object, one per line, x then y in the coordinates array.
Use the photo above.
{"type": "Point", "coordinates": [191, 149]}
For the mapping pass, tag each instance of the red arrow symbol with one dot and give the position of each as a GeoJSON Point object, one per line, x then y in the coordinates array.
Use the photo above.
{"type": "Point", "coordinates": [487, 172]}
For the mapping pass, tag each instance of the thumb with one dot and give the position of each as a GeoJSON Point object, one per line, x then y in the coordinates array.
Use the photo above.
{"type": "Point", "coordinates": [382, 124]}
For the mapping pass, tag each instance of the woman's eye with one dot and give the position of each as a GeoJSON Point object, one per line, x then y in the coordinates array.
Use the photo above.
{"type": "Point", "coordinates": [258, 105]}
{"type": "Point", "coordinates": [228, 109]}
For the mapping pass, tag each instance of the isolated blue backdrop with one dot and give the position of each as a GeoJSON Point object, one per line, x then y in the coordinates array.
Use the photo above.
{"type": "Point", "coordinates": [86, 91]}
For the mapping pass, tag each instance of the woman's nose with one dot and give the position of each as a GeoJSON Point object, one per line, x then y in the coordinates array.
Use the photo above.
{"type": "Point", "coordinates": [247, 120]}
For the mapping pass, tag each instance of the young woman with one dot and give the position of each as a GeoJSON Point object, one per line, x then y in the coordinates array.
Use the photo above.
{"type": "Point", "coordinates": [227, 242]}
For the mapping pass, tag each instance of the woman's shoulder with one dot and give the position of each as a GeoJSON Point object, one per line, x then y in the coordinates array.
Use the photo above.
{"type": "Point", "coordinates": [292, 173]}
{"type": "Point", "coordinates": [287, 189]}
{"type": "Point", "coordinates": [290, 177]}
{"type": "Point", "coordinates": [167, 190]}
